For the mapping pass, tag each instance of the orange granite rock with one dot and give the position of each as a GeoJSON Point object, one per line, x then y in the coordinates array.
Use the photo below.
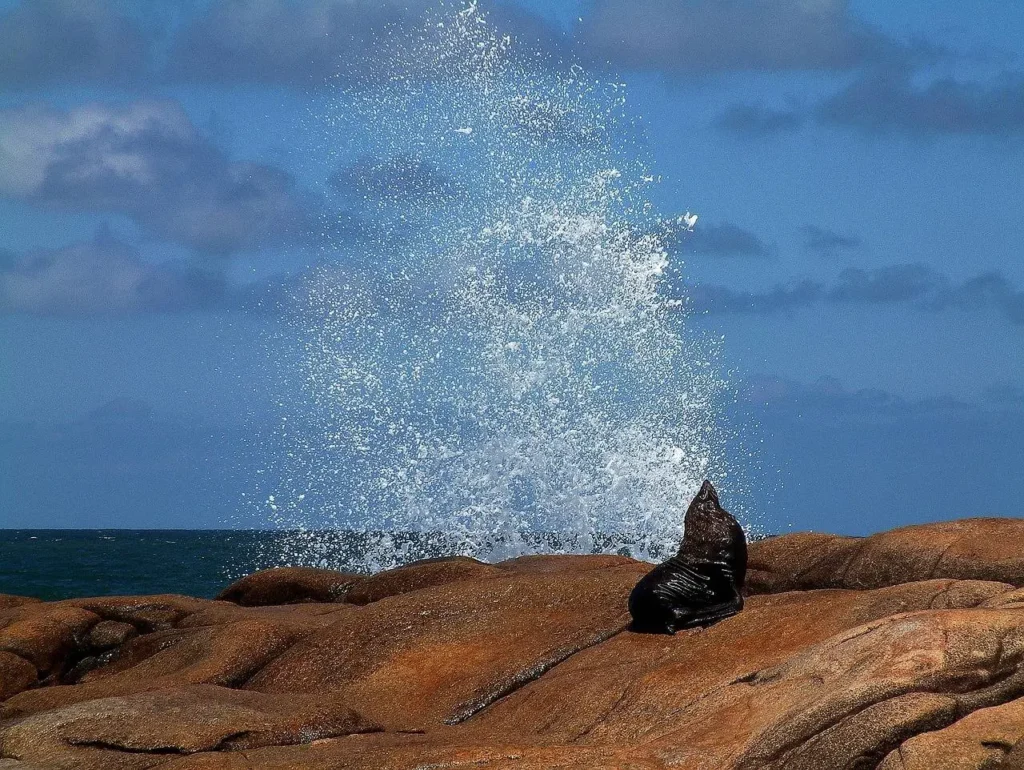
{"type": "Point", "coordinates": [290, 585]}
{"type": "Point", "coordinates": [530, 665]}
{"type": "Point", "coordinates": [966, 549]}
{"type": "Point", "coordinates": [417, 576]}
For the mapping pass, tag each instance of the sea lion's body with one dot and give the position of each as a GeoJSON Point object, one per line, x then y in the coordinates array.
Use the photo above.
{"type": "Point", "coordinates": [702, 583]}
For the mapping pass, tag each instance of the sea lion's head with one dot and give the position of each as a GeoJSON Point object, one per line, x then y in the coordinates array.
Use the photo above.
{"type": "Point", "coordinates": [710, 531]}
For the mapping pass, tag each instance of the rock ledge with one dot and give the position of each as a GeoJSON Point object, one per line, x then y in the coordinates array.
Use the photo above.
{"type": "Point", "coordinates": [900, 651]}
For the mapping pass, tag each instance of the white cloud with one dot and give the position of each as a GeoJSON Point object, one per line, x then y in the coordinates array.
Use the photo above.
{"type": "Point", "coordinates": [101, 277]}
{"type": "Point", "coordinates": [34, 138]}
{"type": "Point", "coordinates": [146, 160]}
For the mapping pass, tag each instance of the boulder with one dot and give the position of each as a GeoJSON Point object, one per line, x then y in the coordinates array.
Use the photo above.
{"type": "Point", "coordinates": [16, 674]}
{"type": "Point", "coordinates": [290, 585]}
{"type": "Point", "coordinates": [108, 634]}
{"type": "Point", "coordinates": [7, 601]}
{"type": "Point", "coordinates": [297, 617]}
{"type": "Point", "coordinates": [967, 549]}
{"type": "Point", "coordinates": [133, 731]}
{"type": "Point", "coordinates": [145, 613]}
{"type": "Point", "coordinates": [798, 562]}
{"type": "Point", "coordinates": [417, 576]}
{"type": "Point", "coordinates": [46, 635]}
{"type": "Point", "coordinates": [225, 655]}
{"type": "Point", "coordinates": [531, 665]}
{"type": "Point", "coordinates": [987, 738]}
{"type": "Point", "coordinates": [856, 696]}
{"type": "Point", "coordinates": [634, 686]}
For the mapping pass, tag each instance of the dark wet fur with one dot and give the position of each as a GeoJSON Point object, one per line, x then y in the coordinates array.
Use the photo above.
{"type": "Point", "coordinates": [702, 583]}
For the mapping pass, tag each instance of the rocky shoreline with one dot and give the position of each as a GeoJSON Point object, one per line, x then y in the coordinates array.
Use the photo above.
{"type": "Point", "coordinates": [901, 651]}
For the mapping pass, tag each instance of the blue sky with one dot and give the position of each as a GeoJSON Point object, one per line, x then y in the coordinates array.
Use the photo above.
{"type": "Point", "coordinates": [857, 168]}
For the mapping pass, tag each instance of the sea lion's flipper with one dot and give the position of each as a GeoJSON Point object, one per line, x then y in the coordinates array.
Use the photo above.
{"type": "Point", "coordinates": [706, 616]}
{"type": "Point", "coordinates": [677, 595]}
{"type": "Point", "coordinates": [701, 584]}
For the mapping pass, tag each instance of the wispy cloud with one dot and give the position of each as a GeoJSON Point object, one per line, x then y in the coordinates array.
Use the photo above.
{"type": "Point", "coordinates": [781, 298]}
{"type": "Point", "coordinates": [828, 395]}
{"type": "Point", "coordinates": [104, 276]}
{"type": "Point", "coordinates": [757, 121]}
{"type": "Point", "coordinates": [146, 160]}
{"type": "Point", "coordinates": [821, 240]}
{"type": "Point", "coordinates": [43, 41]}
{"type": "Point", "coordinates": [890, 101]}
{"type": "Point", "coordinates": [899, 100]}
{"type": "Point", "coordinates": [914, 285]}
{"type": "Point", "coordinates": [728, 240]}
{"type": "Point", "coordinates": [277, 41]}
{"type": "Point", "coordinates": [696, 37]}
{"type": "Point", "coordinates": [310, 43]}
{"type": "Point", "coordinates": [892, 283]}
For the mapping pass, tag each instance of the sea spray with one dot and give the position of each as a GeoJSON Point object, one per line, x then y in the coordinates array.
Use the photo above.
{"type": "Point", "coordinates": [494, 364]}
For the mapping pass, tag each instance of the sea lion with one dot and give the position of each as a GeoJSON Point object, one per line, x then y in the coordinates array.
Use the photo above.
{"type": "Point", "coordinates": [701, 584]}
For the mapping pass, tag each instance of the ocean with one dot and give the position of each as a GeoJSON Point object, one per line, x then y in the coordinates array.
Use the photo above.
{"type": "Point", "coordinates": [61, 564]}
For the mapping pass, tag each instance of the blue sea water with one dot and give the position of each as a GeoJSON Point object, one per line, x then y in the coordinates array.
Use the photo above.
{"type": "Point", "coordinates": [60, 564]}
{"type": "Point", "coordinates": [63, 564]}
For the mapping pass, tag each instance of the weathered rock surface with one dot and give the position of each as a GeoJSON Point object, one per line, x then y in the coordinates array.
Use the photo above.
{"type": "Point", "coordinates": [129, 732]}
{"type": "Point", "coordinates": [417, 576]}
{"type": "Point", "coordinates": [966, 549]}
{"type": "Point", "coordinates": [7, 601]}
{"type": "Point", "coordinates": [45, 635]}
{"type": "Point", "coordinates": [226, 655]}
{"type": "Point", "coordinates": [529, 664]}
{"type": "Point", "coordinates": [985, 738]}
{"type": "Point", "coordinates": [16, 674]}
{"type": "Point", "coordinates": [413, 661]}
{"type": "Point", "coordinates": [290, 585]}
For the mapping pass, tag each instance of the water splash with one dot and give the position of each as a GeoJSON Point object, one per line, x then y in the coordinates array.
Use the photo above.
{"type": "Point", "coordinates": [497, 357]}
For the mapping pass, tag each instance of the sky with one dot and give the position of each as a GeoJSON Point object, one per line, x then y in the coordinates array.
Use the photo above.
{"type": "Point", "coordinates": [858, 261]}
